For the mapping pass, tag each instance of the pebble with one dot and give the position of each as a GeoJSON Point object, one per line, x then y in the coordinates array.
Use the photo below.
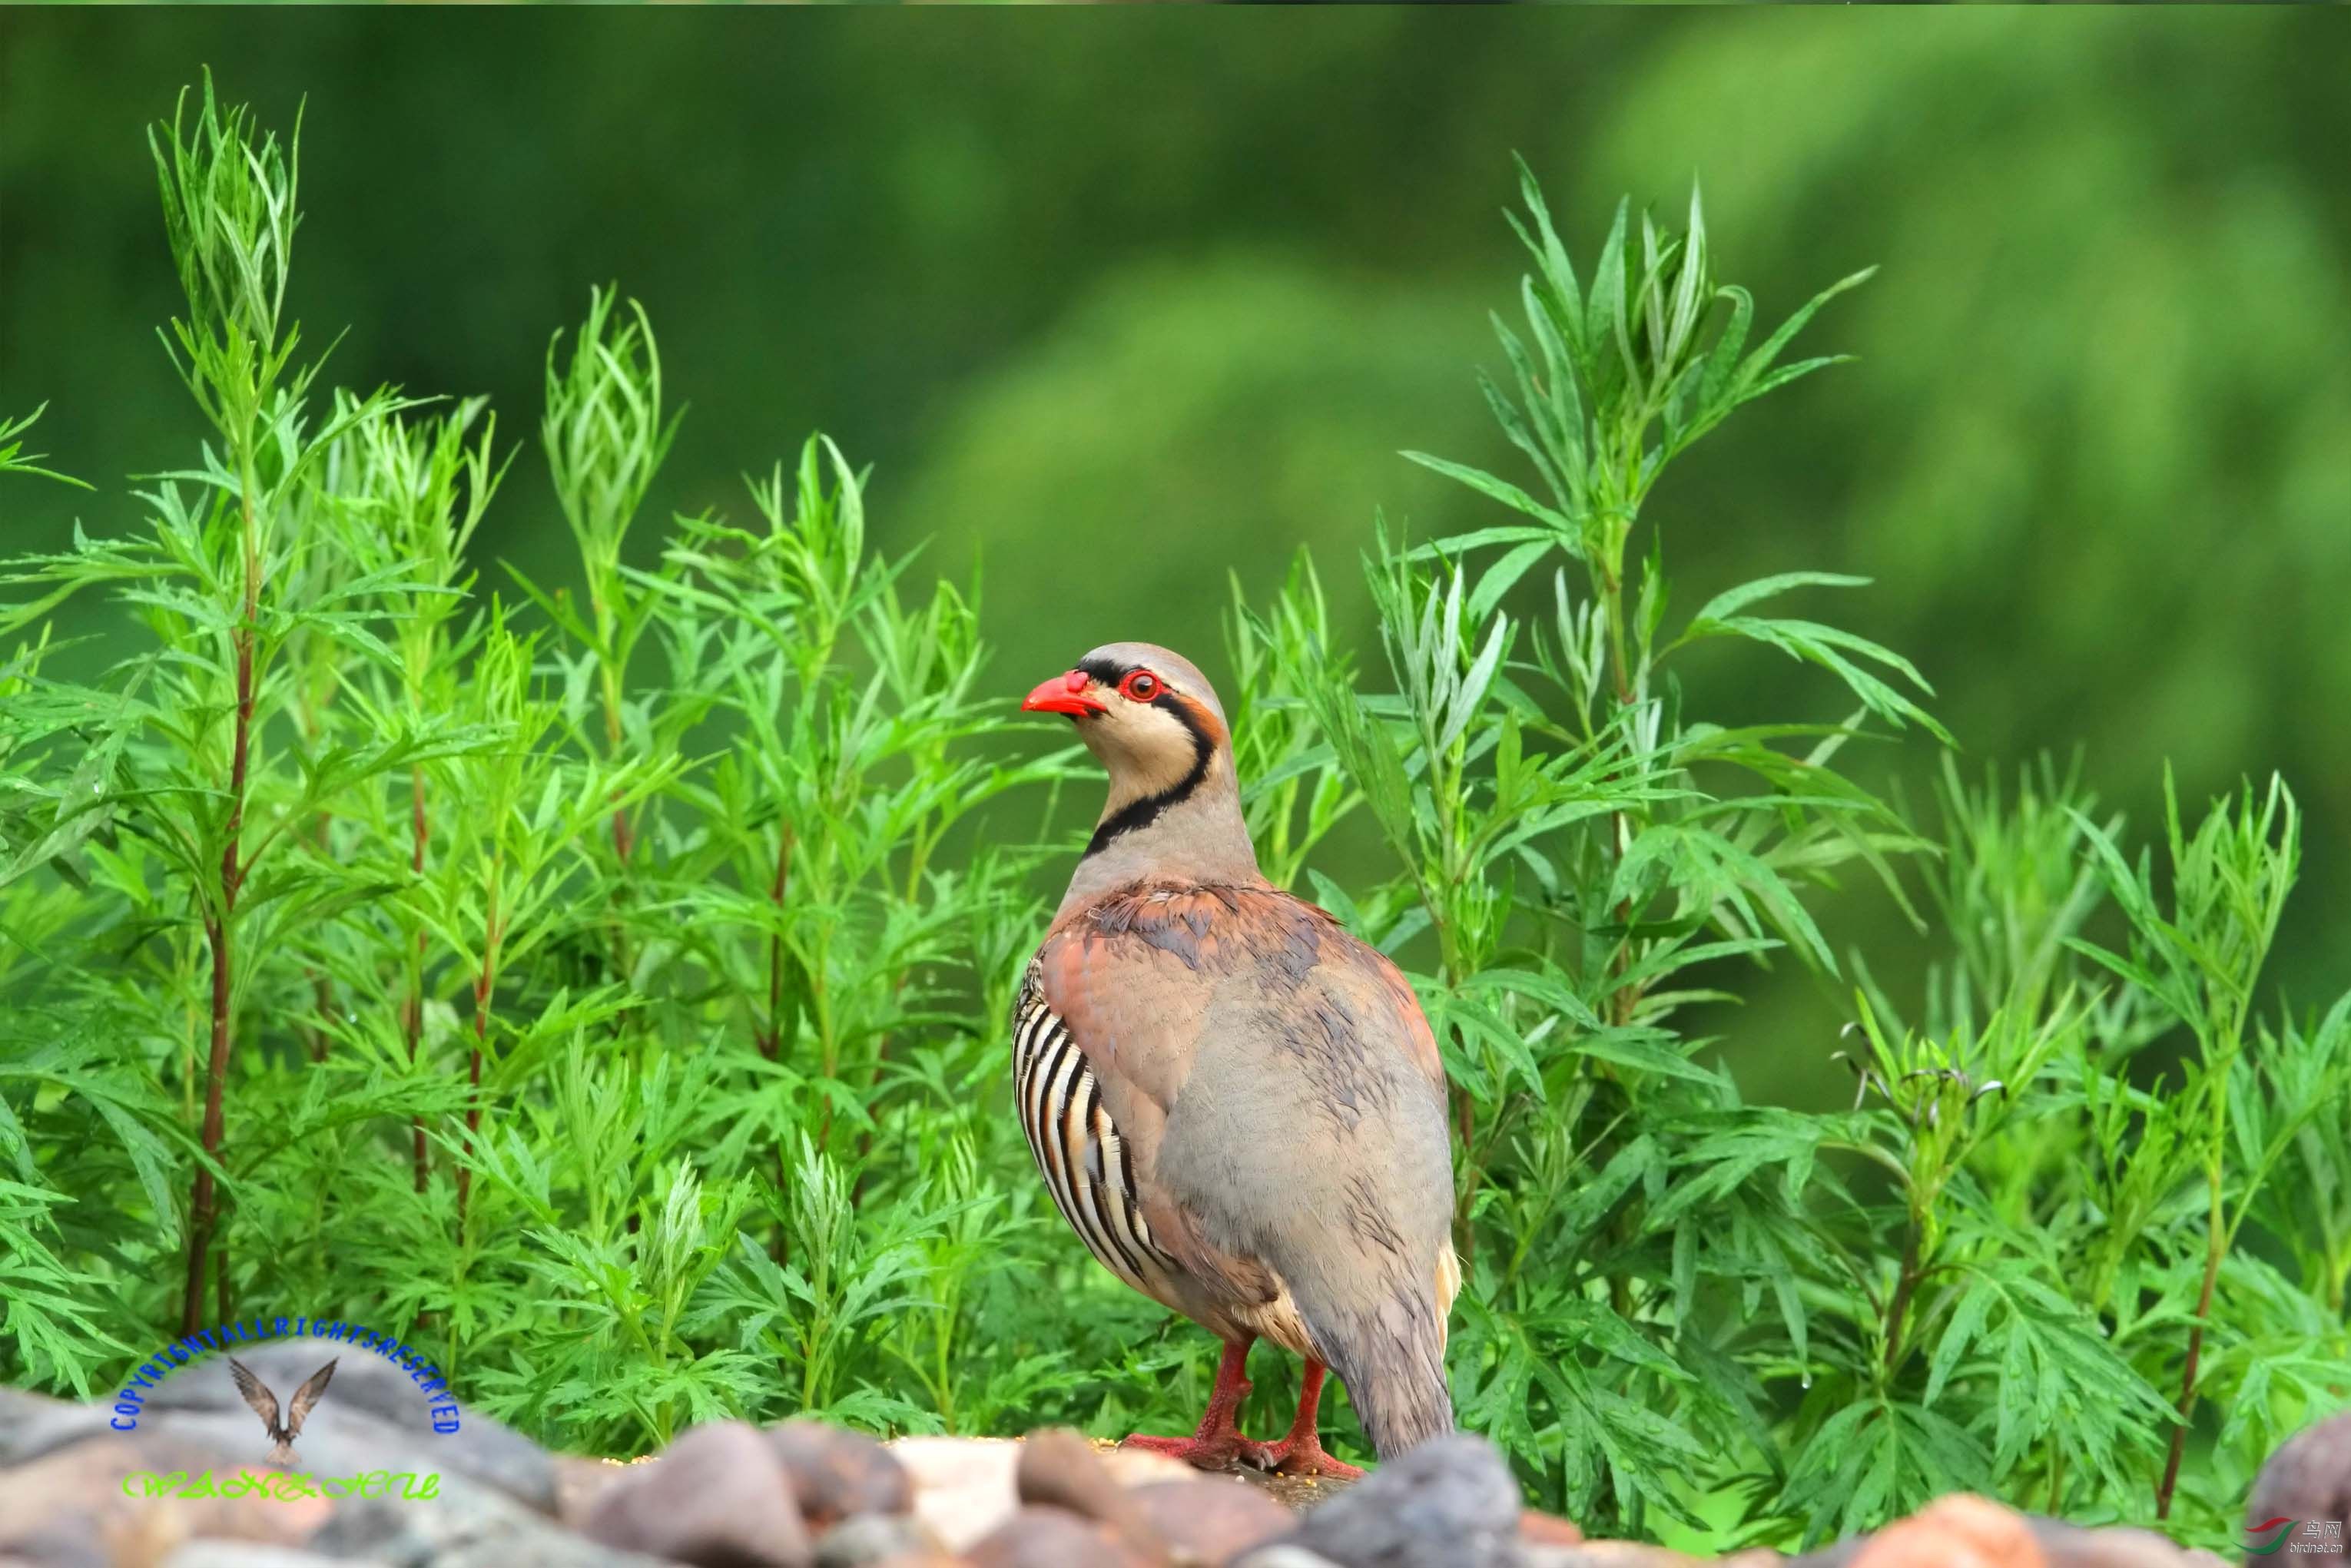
{"type": "Point", "coordinates": [2309, 1478]}
{"type": "Point", "coordinates": [1449, 1504]}
{"type": "Point", "coordinates": [871, 1540]}
{"type": "Point", "coordinates": [1209, 1520]}
{"type": "Point", "coordinates": [836, 1474]}
{"type": "Point", "coordinates": [716, 1499]}
{"type": "Point", "coordinates": [1038, 1537]}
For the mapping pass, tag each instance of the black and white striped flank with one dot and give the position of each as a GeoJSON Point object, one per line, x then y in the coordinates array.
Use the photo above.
{"type": "Point", "coordinates": [1079, 1152]}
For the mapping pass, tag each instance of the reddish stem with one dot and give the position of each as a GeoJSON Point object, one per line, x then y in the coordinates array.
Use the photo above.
{"type": "Point", "coordinates": [413, 1018]}
{"type": "Point", "coordinates": [484, 983]}
{"type": "Point", "coordinates": [201, 1202]}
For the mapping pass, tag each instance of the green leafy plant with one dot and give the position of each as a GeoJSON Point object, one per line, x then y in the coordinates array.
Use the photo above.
{"type": "Point", "coordinates": [607, 985]}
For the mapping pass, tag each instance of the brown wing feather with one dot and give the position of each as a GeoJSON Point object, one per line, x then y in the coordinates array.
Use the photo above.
{"type": "Point", "coordinates": [1218, 999]}
{"type": "Point", "coordinates": [307, 1395]}
{"type": "Point", "coordinates": [257, 1393]}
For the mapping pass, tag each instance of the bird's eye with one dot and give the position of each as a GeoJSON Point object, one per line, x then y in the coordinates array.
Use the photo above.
{"type": "Point", "coordinates": [1140, 686]}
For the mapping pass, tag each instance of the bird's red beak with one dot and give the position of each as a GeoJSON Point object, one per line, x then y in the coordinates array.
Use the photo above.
{"type": "Point", "coordinates": [1064, 693]}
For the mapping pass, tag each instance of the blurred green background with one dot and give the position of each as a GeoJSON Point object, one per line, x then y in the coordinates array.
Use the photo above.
{"type": "Point", "coordinates": [1118, 300]}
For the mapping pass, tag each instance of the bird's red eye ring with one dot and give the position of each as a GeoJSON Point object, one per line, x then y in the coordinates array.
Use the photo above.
{"type": "Point", "coordinates": [1140, 686]}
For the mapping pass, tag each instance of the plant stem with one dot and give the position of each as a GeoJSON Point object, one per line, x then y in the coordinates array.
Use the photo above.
{"type": "Point", "coordinates": [1904, 1285]}
{"type": "Point", "coordinates": [2216, 1244]}
{"type": "Point", "coordinates": [414, 1020]}
{"type": "Point", "coordinates": [217, 926]}
{"type": "Point", "coordinates": [484, 983]}
{"type": "Point", "coordinates": [771, 1037]}
{"type": "Point", "coordinates": [1626, 997]}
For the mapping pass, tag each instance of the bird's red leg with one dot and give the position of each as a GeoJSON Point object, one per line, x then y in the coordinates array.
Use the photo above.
{"type": "Point", "coordinates": [1301, 1452]}
{"type": "Point", "coordinates": [1218, 1441]}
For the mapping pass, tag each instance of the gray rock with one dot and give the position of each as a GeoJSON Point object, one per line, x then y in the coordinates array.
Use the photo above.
{"type": "Point", "coordinates": [20, 1405]}
{"type": "Point", "coordinates": [1449, 1504]}
{"type": "Point", "coordinates": [468, 1525]}
{"type": "Point", "coordinates": [249, 1554]}
{"type": "Point", "coordinates": [717, 1497]}
{"type": "Point", "coordinates": [372, 1384]}
{"type": "Point", "coordinates": [867, 1539]}
{"type": "Point", "coordinates": [67, 1543]}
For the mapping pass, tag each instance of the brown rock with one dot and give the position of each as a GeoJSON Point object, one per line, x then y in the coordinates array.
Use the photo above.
{"type": "Point", "coordinates": [579, 1481]}
{"type": "Point", "coordinates": [1962, 1531]}
{"type": "Point", "coordinates": [836, 1474]}
{"type": "Point", "coordinates": [1038, 1537]}
{"type": "Point", "coordinates": [1539, 1528]}
{"type": "Point", "coordinates": [1209, 1520]}
{"type": "Point", "coordinates": [1132, 1467]}
{"type": "Point", "coordinates": [716, 1499]}
{"type": "Point", "coordinates": [1059, 1469]}
{"type": "Point", "coordinates": [2309, 1478]}
{"type": "Point", "coordinates": [2072, 1546]}
{"type": "Point", "coordinates": [1608, 1554]}
{"type": "Point", "coordinates": [70, 1505]}
{"type": "Point", "coordinates": [872, 1540]}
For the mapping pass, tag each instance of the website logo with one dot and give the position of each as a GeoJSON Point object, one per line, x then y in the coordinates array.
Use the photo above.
{"type": "Point", "coordinates": [2266, 1537]}
{"type": "Point", "coordinates": [2296, 1537]}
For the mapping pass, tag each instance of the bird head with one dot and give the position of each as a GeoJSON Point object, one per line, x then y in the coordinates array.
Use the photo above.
{"type": "Point", "coordinates": [1153, 721]}
{"type": "Point", "coordinates": [1146, 713]}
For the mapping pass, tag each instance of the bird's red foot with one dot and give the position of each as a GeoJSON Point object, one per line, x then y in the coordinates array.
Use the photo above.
{"type": "Point", "coordinates": [1303, 1456]}
{"type": "Point", "coordinates": [1219, 1443]}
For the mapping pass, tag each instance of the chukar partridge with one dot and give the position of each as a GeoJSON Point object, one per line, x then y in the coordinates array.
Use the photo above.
{"type": "Point", "coordinates": [1236, 1106]}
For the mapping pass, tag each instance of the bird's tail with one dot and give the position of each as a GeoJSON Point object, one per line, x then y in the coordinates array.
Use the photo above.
{"type": "Point", "coordinates": [1391, 1359]}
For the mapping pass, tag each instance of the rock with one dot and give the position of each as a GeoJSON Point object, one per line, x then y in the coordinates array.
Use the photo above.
{"type": "Point", "coordinates": [1059, 1469]}
{"type": "Point", "coordinates": [469, 1526]}
{"type": "Point", "coordinates": [1962, 1531]}
{"type": "Point", "coordinates": [963, 1486]}
{"type": "Point", "coordinates": [1037, 1537]}
{"type": "Point", "coordinates": [835, 1474]}
{"type": "Point", "coordinates": [579, 1481]}
{"type": "Point", "coordinates": [1449, 1504]}
{"type": "Point", "coordinates": [2308, 1478]}
{"type": "Point", "coordinates": [1619, 1555]}
{"type": "Point", "coordinates": [372, 1384]}
{"type": "Point", "coordinates": [245, 1555]}
{"type": "Point", "coordinates": [716, 1499]}
{"type": "Point", "coordinates": [2071, 1546]}
{"type": "Point", "coordinates": [871, 1539]}
{"type": "Point", "coordinates": [69, 1506]}
{"type": "Point", "coordinates": [1284, 1557]}
{"type": "Point", "coordinates": [1540, 1529]}
{"type": "Point", "coordinates": [20, 1405]}
{"type": "Point", "coordinates": [1141, 1467]}
{"type": "Point", "coordinates": [72, 1544]}
{"type": "Point", "coordinates": [1210, 1520]}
